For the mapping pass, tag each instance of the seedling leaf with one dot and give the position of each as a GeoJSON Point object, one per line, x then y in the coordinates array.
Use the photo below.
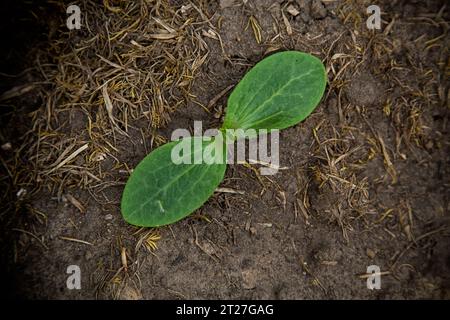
{"type": "Point", "coordinates": [160, 192]}
{"type": "Point", "coordinates": [278, 92]}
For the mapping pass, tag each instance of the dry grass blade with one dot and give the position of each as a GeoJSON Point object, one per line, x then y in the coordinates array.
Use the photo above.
{"type": "Point", "coordinates": [76, 240]}
{"type": "Point", "coordinates": [287, 24]}
{"type": "Point", "coordinates": [229, 190]}
{"type": "Point", "coordinates": [72, 156]}
{"type": "Point", "coordinates": [256, 29]}
{"type": "Point", "coordinates": [163, 36]}
{"type": "Point", "coordinates": [17, 91]}
{"type": "Point", "coordinates": [109, 109]}
{"type": "Point", "coordinates": [77, 204]}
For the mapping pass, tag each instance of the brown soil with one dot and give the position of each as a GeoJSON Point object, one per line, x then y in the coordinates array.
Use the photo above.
{"type": "Point", "coordinates": [367, 180]}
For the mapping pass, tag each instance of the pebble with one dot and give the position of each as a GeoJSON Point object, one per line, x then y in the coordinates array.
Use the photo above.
{"type": "Point", "coordinates": [318, 10]}
{"type": "Point", "coordinates": [370, 253]}
{"type": "Point", "coordinates": [292, 10]}
{"type": "Point", "coordinates": [6, 146]}
{"type": "Point", "coordinates": [249, 279]}
{"type": "Point", "coordinates": [226, 3]}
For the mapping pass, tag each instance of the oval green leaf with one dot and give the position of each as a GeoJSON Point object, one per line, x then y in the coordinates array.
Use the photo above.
{"type": "Point", "coordinates": [278, 92]}
{"type": "Point", "coordinates": [160, 192]}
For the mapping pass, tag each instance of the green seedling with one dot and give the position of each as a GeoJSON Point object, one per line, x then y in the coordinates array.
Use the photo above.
{"type": "Point", "coordinates": [278, 92]}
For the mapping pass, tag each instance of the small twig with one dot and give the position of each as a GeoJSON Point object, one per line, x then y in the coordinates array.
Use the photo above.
{"type": "Point", "coordinates": [76, 240]}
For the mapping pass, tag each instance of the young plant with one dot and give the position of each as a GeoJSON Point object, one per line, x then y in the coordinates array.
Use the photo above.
{"type": "Point", "coordinates": [278, 92]}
